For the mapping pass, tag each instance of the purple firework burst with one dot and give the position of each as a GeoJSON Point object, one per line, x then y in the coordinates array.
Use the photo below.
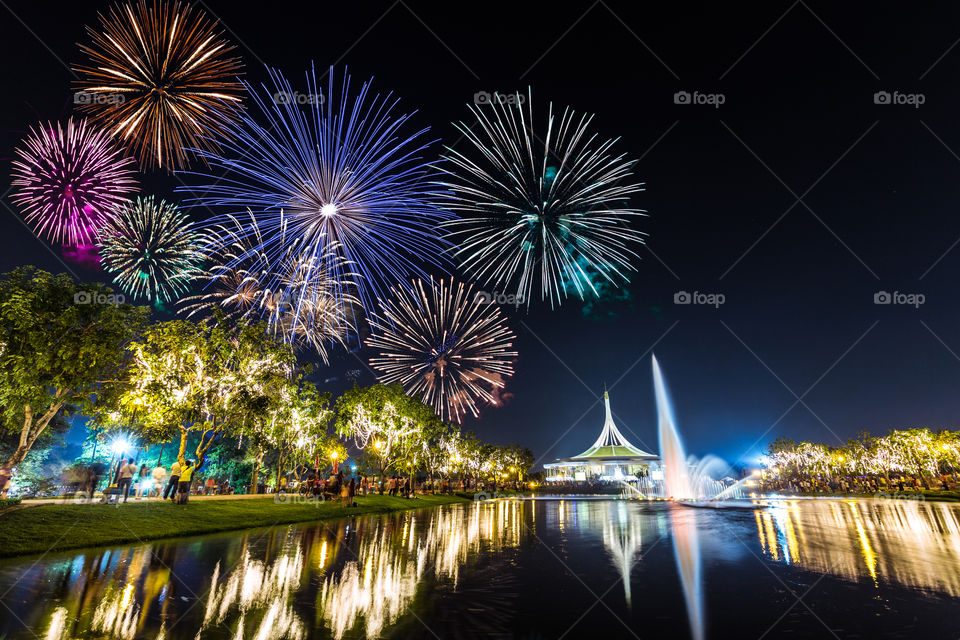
{"type": "Point", "coordinates": [68, 179]}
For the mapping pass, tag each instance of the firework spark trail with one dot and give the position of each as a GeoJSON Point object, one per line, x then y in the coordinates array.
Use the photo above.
{"type": "Point", "coordinates": [307, 309]}
{"type": "Point", "coordinates": [444, 344]}
{"type": "Point", "coordinates": [160, 76]}
{"type": "Point", "coordinates": [551, 215]}
{"type": "Point", "coordinates": [68, 180]}
{"type": "Point", "coordinates": [152, 248]}
{"type": "Point", "coordinates": [339, 176]}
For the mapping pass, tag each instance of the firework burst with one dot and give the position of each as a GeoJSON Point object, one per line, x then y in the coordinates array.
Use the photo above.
{"type": "Point", "coordinates": [444, 344]}
{"type": "Point", "coordinates": [540, 212]}
{"type": "Point", "coordinates": [339, 176]}
{"type": "Point", "coordinates": [67, 180]}
{"type": "Point", "coordinates": [162, 78]}
{"type": "Point", "coordinates": [308, 308]}
{"type": "Point", "coordinates": [151, 248]}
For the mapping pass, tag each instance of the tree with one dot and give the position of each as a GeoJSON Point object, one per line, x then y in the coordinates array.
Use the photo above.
{"type": "Point", "coordinates": [518, 459]}
{"type": "Point", "coordinates": [297, 427]}
{"type": "Point", "coordinates": [60, 343]}
{"type": "Point", "coordinates": [210, 378]}
{"type": "Point", "coordinates": [916, 450]}
{"type": "Point", "coordinates": [382, 420]}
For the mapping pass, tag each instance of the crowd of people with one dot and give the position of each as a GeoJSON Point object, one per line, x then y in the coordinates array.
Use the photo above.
{"type": "Point", "coordinates": [867, 484]}
{"type": "Point", "coordinates": [126, 480]}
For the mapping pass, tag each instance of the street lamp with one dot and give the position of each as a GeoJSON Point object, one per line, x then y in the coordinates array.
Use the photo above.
{"type": "Point", "coordinates": [334, 456]}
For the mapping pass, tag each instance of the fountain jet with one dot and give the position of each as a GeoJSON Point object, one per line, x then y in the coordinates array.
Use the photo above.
{"type": "Point", "coordinates": [676, 477]}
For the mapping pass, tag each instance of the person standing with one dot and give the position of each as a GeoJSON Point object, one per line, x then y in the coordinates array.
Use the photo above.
{"type": "Point", "coordinates": [142, 483]}
{"type": "Point", "coordinates": [171, 488]}
{"type": "Point", "coordinates": [159, 474]}
{"type": "Point", "coordinates": [183, 486]}
{"type": "Point", "coordinates": [127, 472]}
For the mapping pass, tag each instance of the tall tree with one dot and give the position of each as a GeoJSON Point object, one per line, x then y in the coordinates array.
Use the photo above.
{"type": "Point", "coordinates": [207, 378]}
{"type": "Point", "coordinates": [60, 342]}
{"type": "Point", "coordinates": [383, 421]}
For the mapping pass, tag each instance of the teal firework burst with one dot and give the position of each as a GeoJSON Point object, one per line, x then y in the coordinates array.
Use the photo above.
{"type": "Point", "coordinates": [151, 248]}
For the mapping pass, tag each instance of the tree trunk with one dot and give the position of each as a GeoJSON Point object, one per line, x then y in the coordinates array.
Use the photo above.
{"type": "Point", "coordinates": [182, 453]}
{"type": "Point", "coordinates": [31, 431]}
{"type": "Point", "coordinates": [279, 471]}
{"type": "Point", "coordinates": [205, 443]}
{"type": "Point", "coordinates": [256, 470]}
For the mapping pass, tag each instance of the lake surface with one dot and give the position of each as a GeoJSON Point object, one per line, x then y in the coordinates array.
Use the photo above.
{"type": "Point", "coordinates": [518, 569]}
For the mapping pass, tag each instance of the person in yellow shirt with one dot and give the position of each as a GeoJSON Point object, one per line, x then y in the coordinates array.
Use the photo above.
{"type": "Point", "coordinates": [186, 479]}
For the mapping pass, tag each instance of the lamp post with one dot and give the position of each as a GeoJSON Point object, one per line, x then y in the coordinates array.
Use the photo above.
{"type": "Point", "coordinates": [334, 456]}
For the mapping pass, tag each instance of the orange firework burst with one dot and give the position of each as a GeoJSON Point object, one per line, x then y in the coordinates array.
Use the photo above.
{"type": "Point", "coordinates": [162, 78]}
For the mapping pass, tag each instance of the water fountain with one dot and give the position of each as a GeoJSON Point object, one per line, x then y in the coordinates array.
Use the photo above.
{"type": "Point", "coordinates": [687, 479]}
{"type": "Point", "coordinates": [676, 478]}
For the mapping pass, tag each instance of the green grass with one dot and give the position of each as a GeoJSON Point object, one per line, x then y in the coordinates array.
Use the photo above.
{"type": "Point", "coordinates": [56, 527]}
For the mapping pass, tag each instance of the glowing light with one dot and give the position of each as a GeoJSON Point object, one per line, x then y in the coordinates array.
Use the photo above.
{"type": "Point", "coordinates": [151, 248]}
{"type": "Point", "coordinates": [311, 309]}
{"type": "Point", "coordinates": [68, 180]}
{"type": "Point", "coordinates": [542, 211]}
{"type": "Point", "coordinates": [444, 346]}
{"type": "Point", "coordinates": [161, 76]}
{"type": "Point", "coordinates": [340, 178]}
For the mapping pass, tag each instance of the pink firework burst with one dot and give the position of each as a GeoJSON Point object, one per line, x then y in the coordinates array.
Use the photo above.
{"type": "Point", "coordinates": [68, 179]}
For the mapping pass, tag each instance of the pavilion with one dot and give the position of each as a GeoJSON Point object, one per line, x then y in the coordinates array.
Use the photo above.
{"type": "Point", "coordinates": [611, 459]}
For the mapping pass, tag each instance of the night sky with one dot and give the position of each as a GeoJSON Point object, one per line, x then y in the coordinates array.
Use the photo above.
{"type": "Point", "coordinates": [797, 199]}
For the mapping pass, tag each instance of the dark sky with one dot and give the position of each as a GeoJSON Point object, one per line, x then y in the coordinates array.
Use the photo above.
{"type": "Point", "coordinates": [879, 186]}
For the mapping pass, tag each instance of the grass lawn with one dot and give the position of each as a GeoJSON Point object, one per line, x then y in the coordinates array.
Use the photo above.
{"type": "Point", "coordinates": [54, 527]}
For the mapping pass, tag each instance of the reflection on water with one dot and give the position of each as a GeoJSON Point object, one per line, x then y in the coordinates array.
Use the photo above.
{"type": "Point", "coordinates": [504, 568]}
{"type": "Point", "coordinates": [904, 542]}
{"type": "Point", "coordinates": [381, 583]}
{"type": "Point", "coordinates": [255, 586]}
{"type": "Point", "coordinates": [367, 577]}
{"type": "Point", "coordinates": [623, 538]}
{"type": "Point", "coordinates": [686, 549]}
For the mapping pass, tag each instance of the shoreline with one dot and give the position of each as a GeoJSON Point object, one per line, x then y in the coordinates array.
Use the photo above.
{"type": "Point", "coordinates": [48, 528]}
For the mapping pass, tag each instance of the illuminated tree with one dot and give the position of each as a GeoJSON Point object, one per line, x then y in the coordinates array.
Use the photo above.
{"type": "Point", "coordinates": [383, 422]}
{"type": "Point", "coordinates": [208, 378]}
{"type": "Point", "coordinates": [916, 448]}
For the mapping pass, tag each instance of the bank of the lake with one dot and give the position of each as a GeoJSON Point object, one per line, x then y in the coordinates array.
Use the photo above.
{"type": "Point", "coordinates": [57, 527]}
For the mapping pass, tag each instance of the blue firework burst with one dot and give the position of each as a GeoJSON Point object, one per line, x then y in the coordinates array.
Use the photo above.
{"type": "Point", "coordinates": [337, 173]}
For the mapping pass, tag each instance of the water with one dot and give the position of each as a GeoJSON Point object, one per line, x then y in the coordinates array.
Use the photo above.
{"type": "Point", "coordinates": [686, 478]}
{"type": "Point", "coordinates": [676, 476]}
{"type": "Point", "coordinates": [518, 569]}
